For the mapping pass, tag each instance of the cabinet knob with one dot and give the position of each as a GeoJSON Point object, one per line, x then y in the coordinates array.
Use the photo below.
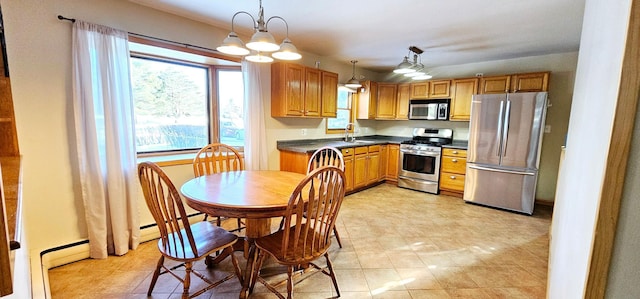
{"type": "Point", "coordinates": [453, 177]}
{"type": "Point", "coordinates": [346, 151]}
{"type": "Point", "coordinates": [454, 160]}
{"type": "Point", "coordinates": [455, 152]}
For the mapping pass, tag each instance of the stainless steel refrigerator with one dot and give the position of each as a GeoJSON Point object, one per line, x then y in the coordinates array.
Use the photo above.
{"type": "Point", "coordinates": [505, 135]}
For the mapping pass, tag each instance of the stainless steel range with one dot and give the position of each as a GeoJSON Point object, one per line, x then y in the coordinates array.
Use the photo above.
{"type": "Point", "coordinates": [420, 159]}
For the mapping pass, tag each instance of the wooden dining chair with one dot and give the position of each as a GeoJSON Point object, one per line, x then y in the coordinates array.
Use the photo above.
{"type": "Point", "coordinates": [217, 158]}
{"type": "Point", "coordinates": [325, 156]}
{"type": "Point", "coordinates": [180, 241]}
{"type": "Point", "coordinates": [304, 239]}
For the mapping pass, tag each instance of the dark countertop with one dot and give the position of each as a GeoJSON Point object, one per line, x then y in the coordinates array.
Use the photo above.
{"type": "Point", "coordinates": [311, 145]}
{"type": "Point", "coordinates": [459, 144]}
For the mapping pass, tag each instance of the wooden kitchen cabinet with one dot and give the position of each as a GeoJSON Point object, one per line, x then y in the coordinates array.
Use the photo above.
{"type": "Point", "coordinates": [367, 100]}
{"type": "Point", "coordinates": [384, 156]}
{"type": "Point", "coordinates": [347, 154]}
{"type": "Point", "coordinates": [530, 82]}
{"type": "Point", "coordinates": [462, 90]}
{"type": "Point", "coordinates": [439, 89]}
{"type": "Point", "coordinates": [387, 93]}
{"type": "Point", "coordinates": [360, 167]}
{"type": "Point", "coordinates": [419, 90]}
{"type": "Point", "coordinates": [452, 174]}
{"type": "Point", "coordinates": [402, 101]}
{"type": "Point", "coordinates": [329, 93]}
{"type": "Point", "coordinates": [392, 161]}
{"type": "Point", "coordinates": [495, 84]}
{"type": "Point", "coordinates": [526, 82]}
{"type": "Point", "coordinates": [299, 91]}
{"type": "Point", "coordinates": [373, 164]}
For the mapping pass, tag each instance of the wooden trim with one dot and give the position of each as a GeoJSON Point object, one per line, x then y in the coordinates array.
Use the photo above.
{"type": "Point", "coordinates": [615, 171]}
{"type": "Point", "coordinates": [182, 48]}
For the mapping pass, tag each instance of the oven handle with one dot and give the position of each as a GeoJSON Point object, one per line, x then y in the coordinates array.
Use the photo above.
{"type": "Point", "coordinates": [420, 153]}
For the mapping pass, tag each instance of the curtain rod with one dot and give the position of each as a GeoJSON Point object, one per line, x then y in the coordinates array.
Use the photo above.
{"type": "Point", "coordinates": [62, 18]}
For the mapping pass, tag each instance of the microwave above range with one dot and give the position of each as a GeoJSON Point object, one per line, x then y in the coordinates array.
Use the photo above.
{"type": "Point", "coordinates": [429, 109]}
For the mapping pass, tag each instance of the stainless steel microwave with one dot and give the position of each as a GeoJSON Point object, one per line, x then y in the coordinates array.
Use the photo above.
{"type": "Point", "coordinates": [429, 109]}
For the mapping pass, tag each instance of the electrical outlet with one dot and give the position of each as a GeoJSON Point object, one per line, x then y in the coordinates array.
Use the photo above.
{"type": "Point", "coordinates": [547, 129]}
{"type": "Point", "coordinates": [304, 132]}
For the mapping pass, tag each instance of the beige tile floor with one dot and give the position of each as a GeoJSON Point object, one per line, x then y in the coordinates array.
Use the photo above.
{"type": "Point", "coordinates": [397, 243]}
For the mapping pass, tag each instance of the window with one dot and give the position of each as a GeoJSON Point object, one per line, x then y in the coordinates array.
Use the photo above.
{"type": "Point", "coordinates": [344, 114]}
{"type": "Point", "coordinates": [231, 103]}
{"type": "Point", "coordinates": [180, 105]}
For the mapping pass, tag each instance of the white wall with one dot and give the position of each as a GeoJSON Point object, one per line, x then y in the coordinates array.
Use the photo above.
{"type": "Point", "coordinates": [580, 185]}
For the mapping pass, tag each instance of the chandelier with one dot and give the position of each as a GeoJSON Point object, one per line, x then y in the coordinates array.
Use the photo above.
{"type": "Point", "coordinates": [414, 69]}
{"type": "Point", "coordinates": [261, 42]}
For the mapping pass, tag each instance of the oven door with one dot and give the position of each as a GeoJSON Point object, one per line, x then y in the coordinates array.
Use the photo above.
{"type": "Point", "coordinates": [419, 164]}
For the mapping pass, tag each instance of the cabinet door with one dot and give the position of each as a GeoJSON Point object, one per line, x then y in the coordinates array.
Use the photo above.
{"type": "Point", "coordinates": [392, 161]}
{"type": "Point", "coordinates": [530, 82]}
{"type": "Point", "coordinates": [373, 167]}
{"type": "Point", "coordinates": [496, 84]}
{"type": "Point", "coordinates": [462, 92]}
{"type": "Point", "coordinates": [420, 90]}
{"type": "Point", "coordinates": [439, 89]}
{"type": "Point", "coordinates": [287, 89]}
{"type": "Point", "coordinates": [329, 94]}
{"type": "Point", "coordinates": [348, 173]}
{"type": "Point", "coordinates": [359, 170]}
{"type": "Point", "coordinates": [312, 92]}
{"type": "Point", "coordinates": [384, 155]}
{"type": "Point", "coordinates": [387, 93]}
{"type": "Point", "coordinates": [402, 101]}
{"type": "Point", "coordinates": [367, 100]}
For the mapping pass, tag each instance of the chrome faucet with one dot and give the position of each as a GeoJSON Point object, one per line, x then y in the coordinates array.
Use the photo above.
{"type": "Point", "coordinates": [348, 128]}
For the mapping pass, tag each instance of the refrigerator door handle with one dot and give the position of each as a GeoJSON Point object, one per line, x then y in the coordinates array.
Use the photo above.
{"type": "Point", "coordinates": [498, 139]}
{"type": "Point", "coordinates": [500, 170]}
{"type": "Point", "coordinates": [505, 129]}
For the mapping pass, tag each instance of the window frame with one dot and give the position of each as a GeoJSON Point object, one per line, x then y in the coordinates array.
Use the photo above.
{"type": "Point", "coordinates": [182, 156]}
{"type": "Point", "coordinates": [352, 100]}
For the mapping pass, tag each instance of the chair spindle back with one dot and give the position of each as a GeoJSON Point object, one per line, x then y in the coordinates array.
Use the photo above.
{"type": "Point", "coordinates": [216, 158]}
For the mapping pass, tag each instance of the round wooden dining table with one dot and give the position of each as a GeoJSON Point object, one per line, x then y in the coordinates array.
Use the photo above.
{"type": "Point", "coordinates": [255, 195]}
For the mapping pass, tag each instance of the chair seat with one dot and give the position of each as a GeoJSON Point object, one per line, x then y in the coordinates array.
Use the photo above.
{"type": "Point", "coordinates": [273, 245]}
{"type": "Point", "coordinates": [207, 236]}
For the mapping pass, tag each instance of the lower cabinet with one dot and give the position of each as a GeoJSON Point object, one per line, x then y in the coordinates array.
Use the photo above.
{"type": "Point", "coordinates": [393, 158]}
{"type": "Point", "coordinates": [363, 165]}
{"type": "Point", "coordinates": [452, 174]}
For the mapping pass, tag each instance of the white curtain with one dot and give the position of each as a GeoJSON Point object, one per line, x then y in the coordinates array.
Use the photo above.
{"type": "Point", "coordinates": [103, 114]}
{"type": "Point", "coordinates": [255, 138]}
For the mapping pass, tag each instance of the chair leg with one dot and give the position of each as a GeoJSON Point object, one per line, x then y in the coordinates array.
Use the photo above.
{"type": "Point", "coordinates": [236, 267]}
{"type": "Point", "coordinates": [187, 280]}
{"type": "Point", "coordinates": [156, 273]}
{"type": "Point", "coordinates": [289, 282]}
{"type": "Point", "coordinates": [335, 232]}
{"type": "Point", "coordinates": [332, 274]}
{"type": "Point", "coordinates": [260, 257]}
{"type": "Point", "coordinates": [218, 221]}
{"type": "Point", "coordinates": [239, 224]}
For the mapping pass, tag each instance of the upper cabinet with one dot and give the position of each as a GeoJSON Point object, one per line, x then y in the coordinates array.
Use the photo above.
{"type": "Point", "coordinates": [439, 89]}
{"type": "Point", "coordinates": [462, 90]}
{"type": "Point", "coordinates": [299, 91]}
{"type": "Point", "coordinates": [402, 101]}
{"type": "Point", "coordinates": [367, 100]}
{"type": "Point", "coordinates": [329, 94]}
{"type": "Point", "coordinates": [419, 90]}
{"type": "Point", "coordinates": [529, 82]}
{"type": "Point", "coordinates": [387, 93]}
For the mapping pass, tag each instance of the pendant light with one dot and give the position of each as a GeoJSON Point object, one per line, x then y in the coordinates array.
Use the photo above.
{"type": "Point", "coordinates": [353, 82]}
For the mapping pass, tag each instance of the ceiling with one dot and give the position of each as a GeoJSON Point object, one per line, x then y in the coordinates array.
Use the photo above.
{"type": "Point", "coordinates": [379, 33]}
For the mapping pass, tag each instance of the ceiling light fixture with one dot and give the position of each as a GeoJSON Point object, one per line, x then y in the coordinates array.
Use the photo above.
{"type": "Point", "coordinates": [353, 82]}
{"type": "Point", "coordinates": [414, 69]}
{"type": "Point", "coordinates": [261, 41]}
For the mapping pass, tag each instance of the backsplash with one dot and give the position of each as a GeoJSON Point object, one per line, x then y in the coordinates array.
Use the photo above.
{"type": "Point", "coordinates": [405, 128]}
